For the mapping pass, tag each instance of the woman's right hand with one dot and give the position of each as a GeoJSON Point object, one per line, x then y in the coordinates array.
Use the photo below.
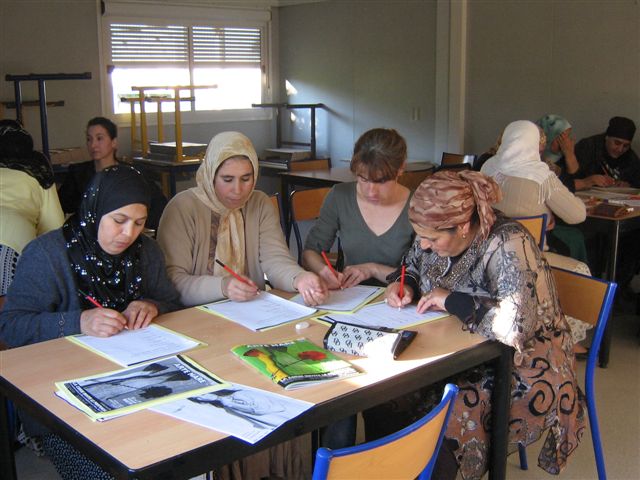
{"type": "Point", "coordinates": [239, 291]}
{"type": "Point", "coordinates": [102, 322]}
{"type": "Point", "coordinates": [392, 295]}
{"type": "Point", "coordinates": [332, 278]}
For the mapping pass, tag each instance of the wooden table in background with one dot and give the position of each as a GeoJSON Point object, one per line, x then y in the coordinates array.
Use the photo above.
{"type": "Point", "coordinates": [611, 229]}
{"type": "Point", "coordinates": [414, 173]}
{"type": "Point", "coordinates": [171, 169]}
{"type": "Point", "coordinates": [148, 445]}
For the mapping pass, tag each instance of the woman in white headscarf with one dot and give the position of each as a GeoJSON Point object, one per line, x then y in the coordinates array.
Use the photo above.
{"type": "Point", "coordinates": [224, 219]}
{"type": "Point", "coordinates": [530, 188]}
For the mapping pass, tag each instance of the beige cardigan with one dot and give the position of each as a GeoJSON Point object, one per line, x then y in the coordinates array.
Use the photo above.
{"type": "Point", "coordinates": [520, 199]}
{"type": "Point", "coordinates": [184, 236]}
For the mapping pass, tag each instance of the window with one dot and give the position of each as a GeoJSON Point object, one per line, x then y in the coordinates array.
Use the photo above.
{"type": "Point", "coordinates": [195, 46]}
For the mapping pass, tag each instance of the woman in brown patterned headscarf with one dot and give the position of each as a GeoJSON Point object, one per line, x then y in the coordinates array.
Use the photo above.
{"type": "Point", "coordinates": [471, 261]}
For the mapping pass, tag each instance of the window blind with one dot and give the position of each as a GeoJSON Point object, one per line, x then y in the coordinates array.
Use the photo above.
{"type": "Point", "coordinates": [226, 46]}
{"type": "Point", "coordinates": [133, 43]}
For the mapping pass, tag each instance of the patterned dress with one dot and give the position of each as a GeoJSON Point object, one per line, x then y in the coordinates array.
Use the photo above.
{"type": "Point", "coordinates": [515, 303]}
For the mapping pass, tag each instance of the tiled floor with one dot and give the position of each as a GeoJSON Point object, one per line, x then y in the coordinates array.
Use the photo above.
{"type": "Point", "coordinates": [618, 392]}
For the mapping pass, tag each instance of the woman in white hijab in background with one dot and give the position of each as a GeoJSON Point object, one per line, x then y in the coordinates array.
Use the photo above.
{"type": "Point", "coordinates": [530, 188]}
{"type": "Point", "coordinates": [223, 218]}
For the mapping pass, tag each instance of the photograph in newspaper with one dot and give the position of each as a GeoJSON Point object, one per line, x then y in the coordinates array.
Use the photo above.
{"type": "Point", "coordinates": [138, 387]}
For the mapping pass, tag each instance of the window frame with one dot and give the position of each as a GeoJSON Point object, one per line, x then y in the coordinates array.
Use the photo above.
{"type": "Point", "coordinates": [128, 12]}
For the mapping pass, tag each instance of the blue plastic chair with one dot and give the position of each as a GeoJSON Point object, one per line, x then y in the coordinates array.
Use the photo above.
{"type": "Point", "coordinates": [591, 300]}
{"type": "Point", "coordinates": [408, 453]}
{"type": "Point", "coordinates": [537, 227]}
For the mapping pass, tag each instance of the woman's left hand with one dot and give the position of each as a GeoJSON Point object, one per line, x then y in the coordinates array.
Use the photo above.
{"type": "Point", "coordinates": [434, 300]}
{"type": "Point", "coordinates": [139, 314]}
{"type": "Point", "coordinates": [355, 274]}
{"type": "Point", "coordinates": [566, 143]}
{"type": "Point", "coordinates": [311, 287]}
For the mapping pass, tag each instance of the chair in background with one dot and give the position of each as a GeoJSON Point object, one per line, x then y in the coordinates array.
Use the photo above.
{"type": "Point", "coordinates": [453, 159]}
{"type": "Point", "coordinates": [537, 227]}
{"type": "Point", "coordinates": [411, 180]}
{"type": "Point", "coordinates": [275, 200]}
{"type": "Point", "coordinates": [305, 205]}
{"type": "Point", "coordinates": [589, 299]}
{"type": "Point", "coordinates": [408, 453]}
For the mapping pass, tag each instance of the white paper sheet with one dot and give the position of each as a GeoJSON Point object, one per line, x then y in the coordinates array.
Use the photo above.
{"type": "Point", "coordinates": [382, 315]}
{"type": "Point", "coordinates": [265, 311]}
{"type": "Point", "coordinates": [135, 346]}
{"type": "Point", "coordinates": [347, 300]}
{"type": "Point", "coordinates": [246, 413]}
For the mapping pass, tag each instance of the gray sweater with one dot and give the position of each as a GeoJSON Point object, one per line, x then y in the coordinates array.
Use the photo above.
{"type": "Point", "coordinates": [42, 302]}
{"type": "Point", "coordinates": [340, 216]}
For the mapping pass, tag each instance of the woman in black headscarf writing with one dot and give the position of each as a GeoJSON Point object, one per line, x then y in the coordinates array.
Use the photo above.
{"type": "Point", "coordinates": [98, 257]}
{"type": "Point", "coordinates": [96, 275]}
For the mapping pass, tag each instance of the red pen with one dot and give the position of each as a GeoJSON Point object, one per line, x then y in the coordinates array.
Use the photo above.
{"type": "Point", "coordinates": [402, 281]}
{"type": "Point", "coordinates": [326, 259]}
{"type": "Point", "coordinates": [90, 298]}
{"type": "Point", "coordinates": [243, 280]}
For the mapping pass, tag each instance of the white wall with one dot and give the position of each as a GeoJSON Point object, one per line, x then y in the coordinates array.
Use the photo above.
{"type": "Point", "coordinates": [577, 58]}
{"type": "Point", "coordinates": [372, 63]}
{"type": "Point", "coordinates": [62, 36]}
{"type": "Point", "coordinates": [52, 36]}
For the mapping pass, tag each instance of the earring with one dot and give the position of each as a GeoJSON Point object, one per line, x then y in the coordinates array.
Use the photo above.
{"type": "Point", "coordinates": [464, 235]}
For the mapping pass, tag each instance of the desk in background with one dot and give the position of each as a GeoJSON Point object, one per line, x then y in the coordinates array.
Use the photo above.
{"type": "Point", "coordinates": [148, 445]}
{"type": "Point", "coordinates": [171, 169]}
{"type": "Point", "coordinates": [414, 173]}
{"type": "Point", "coordinates": [610, 230]}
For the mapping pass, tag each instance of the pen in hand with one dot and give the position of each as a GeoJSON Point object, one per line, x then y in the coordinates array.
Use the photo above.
{"type": "Point", "coordinates": [333, 270]}
{"type": "Point", "coordinates": [90, 298]}
{"type": "Point", "coordinates": [401, 292]}
{"type": "Point", "coordinates": [234, 274]}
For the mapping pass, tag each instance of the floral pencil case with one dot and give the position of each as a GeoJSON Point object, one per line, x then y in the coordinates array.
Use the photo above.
{"type": "Point", "coordinates": [367, 341]}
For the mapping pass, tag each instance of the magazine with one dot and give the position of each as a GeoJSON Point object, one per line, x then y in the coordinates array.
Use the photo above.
{"type": "Point", "coordinates": [244, 412]}
{"type": "Point", "coordinates": [296, 363]}
{"type": "Point", "coordinates": [135, 388]}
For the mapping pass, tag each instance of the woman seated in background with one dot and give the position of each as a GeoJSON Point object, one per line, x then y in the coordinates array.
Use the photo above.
{"type": "Point", "coordinates": [369, 215]}
{"type": "Point", "coordinates": [102, 144]}
{"type": "Point", "coordinates": [97, 256]}
{"type": "Point", "coordinates": [224, 219]}
{"type": "Point", "coordinates": [29, 203]}
{"type": "Point", "coordinates": [557, 147]}
{"type": "Point", "coordinates": [530, 188]}
{"type": "Point", "coordinates": [471, 261]}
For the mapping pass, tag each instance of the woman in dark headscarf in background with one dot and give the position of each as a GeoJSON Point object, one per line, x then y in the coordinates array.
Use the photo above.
{"type": "Point", "coordinates": [29, 203]}
{"type": "Point", "coordinates": [98, 254]}
{"type": "Point", "coordinates": [471, 261]}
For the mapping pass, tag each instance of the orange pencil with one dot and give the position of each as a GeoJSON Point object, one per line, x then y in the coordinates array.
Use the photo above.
{"type": "Point", "coordinates": [402, 281]}
{"type": "Point", "coordinates": [326, 259]}
{"type": "Point", "coordinates": [232, 272]}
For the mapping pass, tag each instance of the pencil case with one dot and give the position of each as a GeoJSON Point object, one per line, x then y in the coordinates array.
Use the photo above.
{"type": "Point", "coordinates": [610, 210]}
{"type": "Point", "coordinates": [367, 341]}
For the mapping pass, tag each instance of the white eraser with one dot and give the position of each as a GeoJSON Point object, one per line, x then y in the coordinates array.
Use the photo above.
{"type": "Point", "coordinates": [302, 325]}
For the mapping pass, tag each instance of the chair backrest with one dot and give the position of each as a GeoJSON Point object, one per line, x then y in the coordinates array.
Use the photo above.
{"type": "Point", "coordinates": [589, 299]}
{"type": "Point", "coordinates": [275, 201]}
{"type": "Point", "coordinates": [411, 180]}
{"type": "Point", "coordinates": [408, 453]}
{"type": "Point", "coordinates": [456, 159]}
{"type": "Point", "coordinates": [305, 205]}
{"type": "Point", "coordinates": [537, 226]}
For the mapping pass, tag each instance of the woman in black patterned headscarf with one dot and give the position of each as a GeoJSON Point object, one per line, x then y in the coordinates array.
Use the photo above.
{"type": "Point", "coordinates": [29, 204]}
{"type": "Point", "coordinates": [97, 274]}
